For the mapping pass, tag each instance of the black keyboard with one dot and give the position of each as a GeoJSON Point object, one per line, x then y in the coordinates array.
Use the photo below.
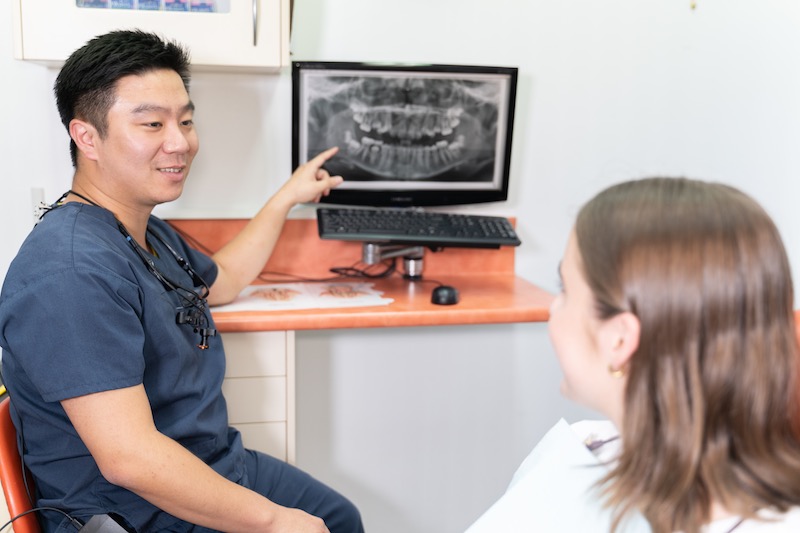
{"type": "Point", "coordinates": [411, 226]}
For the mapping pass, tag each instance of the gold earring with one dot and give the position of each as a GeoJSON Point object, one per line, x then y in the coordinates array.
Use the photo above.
{"type": "Point", "coordinates": [616, 372]}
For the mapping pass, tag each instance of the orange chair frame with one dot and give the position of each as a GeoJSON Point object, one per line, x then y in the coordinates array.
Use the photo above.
{"type": "Point", "coordinates": [11, 475]}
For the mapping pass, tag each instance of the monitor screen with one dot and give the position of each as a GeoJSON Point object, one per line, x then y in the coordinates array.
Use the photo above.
{"type": "Point", "coordinates": [421, 135]}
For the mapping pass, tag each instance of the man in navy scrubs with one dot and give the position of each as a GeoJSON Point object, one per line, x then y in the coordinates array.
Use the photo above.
{"type": "Point", "coordinates": [110, 354]}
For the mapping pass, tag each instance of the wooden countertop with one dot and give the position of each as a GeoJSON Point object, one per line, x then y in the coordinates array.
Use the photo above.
{"type": "Point", "coordinates": [490, 292]}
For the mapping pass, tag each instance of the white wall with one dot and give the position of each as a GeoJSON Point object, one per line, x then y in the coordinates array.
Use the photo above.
{"type": "Point", "coordinates": [422, 427]}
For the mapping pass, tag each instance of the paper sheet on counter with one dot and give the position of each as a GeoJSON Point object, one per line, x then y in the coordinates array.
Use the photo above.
{"type": "Point", "coordinates": [289, 296]}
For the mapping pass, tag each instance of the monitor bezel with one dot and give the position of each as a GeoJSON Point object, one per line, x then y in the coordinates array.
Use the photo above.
{"type": "Point", "coordinates": [414, 197]}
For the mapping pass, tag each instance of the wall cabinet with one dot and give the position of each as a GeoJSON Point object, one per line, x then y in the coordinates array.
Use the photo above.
{"type": "Point", "coordinates": [248, 35]}
{"type": "Point", "coordinates": [259, 388]}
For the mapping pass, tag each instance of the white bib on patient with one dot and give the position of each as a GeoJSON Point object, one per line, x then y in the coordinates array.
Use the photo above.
{"type": "Point", "coordinates": [553, 490]}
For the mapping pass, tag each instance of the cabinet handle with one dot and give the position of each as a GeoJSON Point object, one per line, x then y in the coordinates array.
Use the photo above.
{"type": "Point", "coordinates": [255, 22]}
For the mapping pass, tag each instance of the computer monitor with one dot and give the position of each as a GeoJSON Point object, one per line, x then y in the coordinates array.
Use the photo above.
{"type": "Point", "coordinates": [408, 135]}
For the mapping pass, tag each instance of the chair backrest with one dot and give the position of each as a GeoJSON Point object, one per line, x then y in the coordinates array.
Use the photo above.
{"type": "Point", "coordinates": [12, 475]}
{"type": "Point", "coordinates": [797, 322]}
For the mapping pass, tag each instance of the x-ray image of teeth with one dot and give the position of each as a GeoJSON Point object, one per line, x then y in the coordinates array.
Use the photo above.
{"type": "Point", "coordinates": [404, 129]}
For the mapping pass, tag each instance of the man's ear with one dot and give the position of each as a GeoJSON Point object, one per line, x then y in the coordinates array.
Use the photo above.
{"type": "Point", "coordinates": [619, 338]}
{"type": "Point", "coordinates": [85, 136]}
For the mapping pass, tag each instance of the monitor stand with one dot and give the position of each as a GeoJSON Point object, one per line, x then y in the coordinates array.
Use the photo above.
{"type": "Point", "coordinates": [373, 253]}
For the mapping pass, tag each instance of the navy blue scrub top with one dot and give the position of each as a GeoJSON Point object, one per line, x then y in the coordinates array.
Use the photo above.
{"type": "Point", "coordinates": [80, 313]}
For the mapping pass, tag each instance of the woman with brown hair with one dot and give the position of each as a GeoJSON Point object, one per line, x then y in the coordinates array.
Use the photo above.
{"type": "Point", "coordinates": [676, 322]}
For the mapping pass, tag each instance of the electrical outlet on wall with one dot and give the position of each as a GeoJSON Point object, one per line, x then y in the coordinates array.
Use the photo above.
{"type": "Point", "coordinates": [37, 201]}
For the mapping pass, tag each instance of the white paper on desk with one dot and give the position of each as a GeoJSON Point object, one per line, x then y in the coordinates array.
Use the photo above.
{"type": "Point", "coordinates": [288, 296]}
{"type": "Point", "coordinates": [554, 491]}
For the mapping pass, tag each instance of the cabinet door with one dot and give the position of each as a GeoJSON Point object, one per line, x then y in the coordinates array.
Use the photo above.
{"type": "Point", "coordinates": [252, 34]}
{"type": "Point", "coordinates": [259, 390]}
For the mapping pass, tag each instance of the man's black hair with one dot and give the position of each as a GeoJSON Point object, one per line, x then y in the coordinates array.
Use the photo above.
{"type": "Point", "coordinates": [86, 86]}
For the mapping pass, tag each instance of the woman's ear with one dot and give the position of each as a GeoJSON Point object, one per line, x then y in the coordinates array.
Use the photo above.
{"type": "Point", "coordinates": [85, 136]}
{"type": "Point", "coordinates": [619, 339]}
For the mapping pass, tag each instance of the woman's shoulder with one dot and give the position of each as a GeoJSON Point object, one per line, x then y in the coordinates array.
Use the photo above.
{"type": "Point", "coordinates": [772, 522]}
{"type": "Point", "coordinates": [555, 487]}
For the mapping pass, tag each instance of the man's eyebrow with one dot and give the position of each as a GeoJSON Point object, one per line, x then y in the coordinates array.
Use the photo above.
{"type": "Point", "coordinates": [148, 108]}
